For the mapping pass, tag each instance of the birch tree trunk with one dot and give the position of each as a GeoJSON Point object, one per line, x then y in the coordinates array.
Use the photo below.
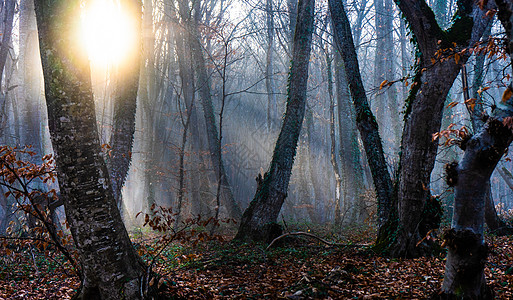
{"type": "Point", "coordinates": [259, 220]}
{"type": "Point", "coordinates": [111, 267]}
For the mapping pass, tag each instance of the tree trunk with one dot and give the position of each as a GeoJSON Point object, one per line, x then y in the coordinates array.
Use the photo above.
{"type": "Point", "coordinates": [214, 145]}
{"type": "Point", "coordinates": [186, 72]}
{"type": "Point", "coordinates": [125, 96]}
{"type": "Point", "coordinates": [269, 77]}
{"type": "Point", "coordinates": [258, 221]}
{"type": "Point", "coordinates": [312, 165]}
{"type": "Point", "coordinates": [424, 113]}
{"type": "Point", "coordinates": [365, 120]}
{"type": "Point", "coordinates": [111, 267]}
{"type": "Point", "coordinates": [380, 74]}
{"type": "Point", "coordinates": [493, 221]}
{"type": "Point", "coordinates": [333, 144]}
{"type": "Point", "coordinates": [464, 268]}
{"type": "Point", "coordinates": [6, 35]}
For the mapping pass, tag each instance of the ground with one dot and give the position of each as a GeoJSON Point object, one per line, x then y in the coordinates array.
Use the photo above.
{"type": "Point", "coordinates": [297, 269]}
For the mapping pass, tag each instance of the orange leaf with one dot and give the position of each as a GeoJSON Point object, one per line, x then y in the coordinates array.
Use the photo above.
{"type": "Point", "coordinates": [491, 13]}
{"type": "Point", "coordinates": [482, 3]}
{"type": "Point", "coordinates": [457, 58]}
{"type": "Point", "coordinates": [471, 103]}
{"type": "Point", "coordinates": [161, 281]}
{"type": "Point", "coordinates": [383, 84]}
{"type": "Point", "coordinates": [507, 94]}
{"type": "Point", "coordinates": [482, 89]}
{"type": "Point", "coordinates": [452, 104]}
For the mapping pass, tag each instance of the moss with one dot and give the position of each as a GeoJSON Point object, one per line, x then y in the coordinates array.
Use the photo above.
{"type": "Point", "coordinates": [432, 214]}
{"type": "Point", "coordinates": [459, 33]}
{"type": "Point", "coordinates": [415, 86]}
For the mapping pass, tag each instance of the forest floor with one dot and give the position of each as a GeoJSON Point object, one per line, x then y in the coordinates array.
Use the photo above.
{"type": "Point", "coordinates": [301, 268]}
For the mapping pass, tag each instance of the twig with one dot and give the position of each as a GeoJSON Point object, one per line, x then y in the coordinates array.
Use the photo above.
{"type": "Point", "coordinates": [34, 261]}
{"type": "Point", "coordinates": [312, 236]}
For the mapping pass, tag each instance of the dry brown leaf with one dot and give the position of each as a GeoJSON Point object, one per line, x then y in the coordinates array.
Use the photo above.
{"type": "Point", "coordinates": [507, 94]}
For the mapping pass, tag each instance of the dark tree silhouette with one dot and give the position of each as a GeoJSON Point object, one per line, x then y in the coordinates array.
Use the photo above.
{"type": "Point", "coordinates": [259, 220]}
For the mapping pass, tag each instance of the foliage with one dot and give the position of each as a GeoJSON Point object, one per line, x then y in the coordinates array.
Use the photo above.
{"type": "Point", "coordinates": [212, 269]}
{"type": "Point", "coordinates": [163, 221]}
{"type": "Point", "coordinates": [18, 175]}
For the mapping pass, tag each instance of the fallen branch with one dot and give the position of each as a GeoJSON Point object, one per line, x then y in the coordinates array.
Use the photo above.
{"type": "Point", "coordinates": [312, 236]}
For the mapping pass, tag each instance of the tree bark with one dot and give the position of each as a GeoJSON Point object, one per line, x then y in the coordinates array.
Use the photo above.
{"type": "Point", "coordinates": [507, 176]}
{"type": "Point", "coordinates": [6, 35]}
{"type": "Point", "coordinates": [259, 220]}
{"type": "Point", "coordinates": [352, 173]}
{"type": "Point", "coordinates": [186, 73]}
{"type": "Point", "coordinates": [125, 104]}
{"type": "Point", "coordinates": [111, 267]}
{"type": "Point", "coordinates": [424, 113]}
{"type": "Point", "coordinates": [365, 120]}
{"type": "Point", "coordinates": [464, 269]}
{"type": "Point", "coordinates": [333, 144]}
{"type": "Point", "coordinates": [214, 145]}
{"type": "Point", "coordinates": [269, 82]}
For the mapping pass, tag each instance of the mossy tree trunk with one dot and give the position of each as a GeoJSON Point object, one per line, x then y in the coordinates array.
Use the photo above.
{"type": "Point", "coordinates": [259, 220]}
{"type": "Point", "coordinates": [423, 117]}
{"type": "Point", "coordinates": [464, 269]}
{"type": "Point", "coordinates": [365, 120]}
{"type": "Point", "coordinates": [111, 268]}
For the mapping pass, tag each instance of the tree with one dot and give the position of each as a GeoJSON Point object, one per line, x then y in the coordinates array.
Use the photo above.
{"type": "Point", "coordinates": [259, 220]}
{"type": "Point", "coordinates": [111, 267]}
{"type": "Point", "coordinates": [365, 120]}
{"type": "Point", "coordinates": [125, 96]}
{"type": "Point", "coordinates": [405, 211]}
{"type": "Point", "coordinates": [8, 15]}
{"type": "Point", "coordinates": [464, 269]}
{"type": "Point", "coordinates": [424, 111]}
{"type": "Point", "coordinates": [205, 94]}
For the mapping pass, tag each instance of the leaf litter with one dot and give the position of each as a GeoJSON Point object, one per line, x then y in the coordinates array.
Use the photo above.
{"type": "Point", "coordinates": [298, 269]}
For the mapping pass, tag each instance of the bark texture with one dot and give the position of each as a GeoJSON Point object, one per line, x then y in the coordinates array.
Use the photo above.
{"type": "Point", "coordinates": [6, 33]}
{"type": "Point", "coordinates": [365, 120]}
{"type": "Point", "coordinates": [205, 94]}
{"type": "Point", "coordinates": [333, 144]}
{"type": "Point", "coordinates": [111, 268]}
{"type": "Point", "coordinates": [352, 173]}
{"type": "Point", "coordinates": [424, 113]}
{"type": "Point", "coordinates": [258, 221]}
{"type": "Point", "coordinates": [464, 269]}
{"type": "Point", "coordinates": [125, 104]}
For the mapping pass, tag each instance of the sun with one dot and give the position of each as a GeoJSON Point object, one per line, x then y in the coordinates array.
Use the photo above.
{"type": "Point", "coordinates": [107, 31]}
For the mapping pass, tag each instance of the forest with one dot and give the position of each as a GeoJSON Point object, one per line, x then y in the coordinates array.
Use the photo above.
{"type": "Point", "coordinates": [219, 149]}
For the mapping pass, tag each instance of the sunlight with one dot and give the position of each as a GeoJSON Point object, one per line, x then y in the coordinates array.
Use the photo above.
{"type": "Point", "coordinates": [107, 31]}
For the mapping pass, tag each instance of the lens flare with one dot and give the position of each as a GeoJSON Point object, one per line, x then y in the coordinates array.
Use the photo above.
{"type": "Point", "coordinates": [107, 32]}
